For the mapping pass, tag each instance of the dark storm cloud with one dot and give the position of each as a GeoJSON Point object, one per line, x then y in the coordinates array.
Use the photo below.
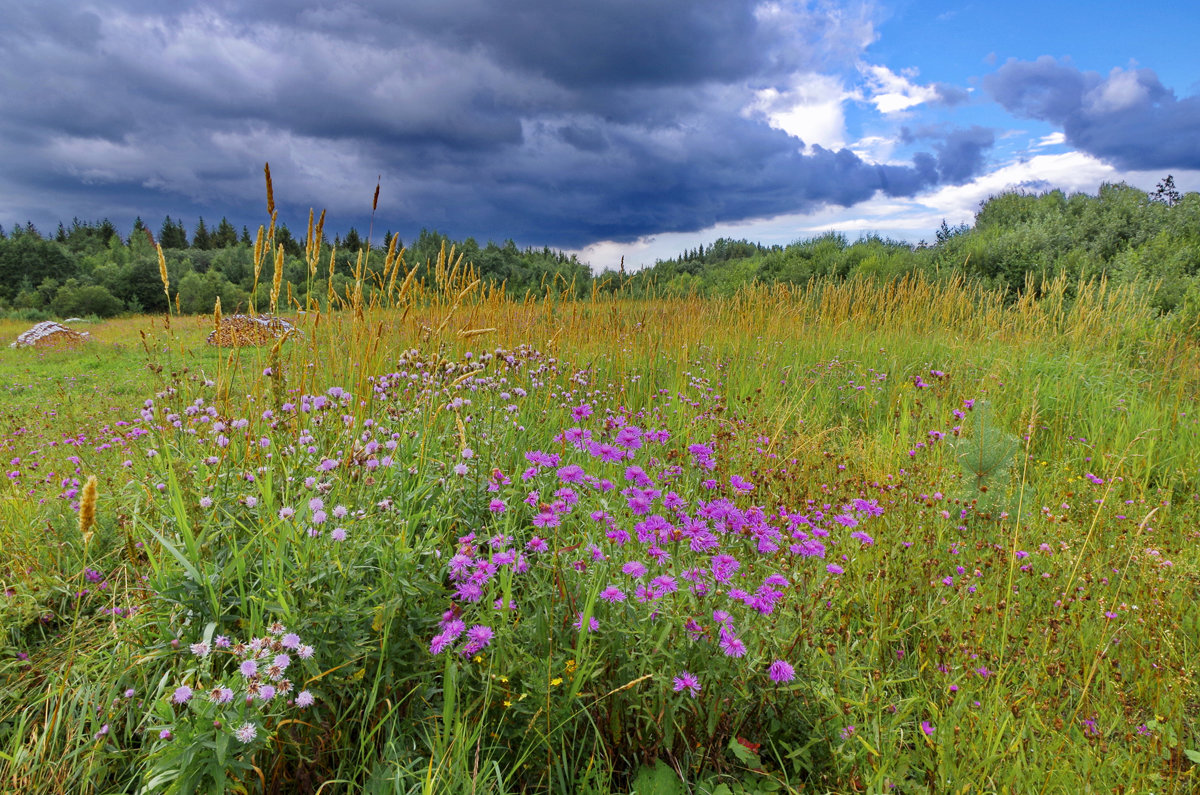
{"type": "Point", "coordinates": [1127, 118]}
{"type": "Point", "coordinates": [960, 151]}
{"type": "Point", "coordinates": [546, 121]}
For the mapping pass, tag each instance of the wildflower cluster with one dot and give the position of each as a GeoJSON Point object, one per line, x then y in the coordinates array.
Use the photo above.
{"type": "Point", "coordinates": [249, 683]}
{"type": "Point", "coordinates": [646, 541]}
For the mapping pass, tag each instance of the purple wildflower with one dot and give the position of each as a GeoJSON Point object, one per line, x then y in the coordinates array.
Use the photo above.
{"type": "Point", "coordinates": [781, 671]}
{"type": "Point", "coordinates": [688, 682]}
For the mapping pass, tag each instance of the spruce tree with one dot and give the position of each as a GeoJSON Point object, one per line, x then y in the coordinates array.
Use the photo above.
{"type": "Point", "coordinates": [283, 237]}
{"type": "Point", "coordinates": [201, 239]}
{"type": "Point", "coordinates": [225, 236]}
{"type": "Point", "coordinates": [987, 458]}
{"type": "Point", "coordinates": [172, 234]}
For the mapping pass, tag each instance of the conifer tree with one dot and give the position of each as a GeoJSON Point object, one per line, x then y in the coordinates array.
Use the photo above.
{"type": "Point", "coordinates": [225, 236]}
{"type": "Point", "coordinates": [201, 239]}
{"type": "Point", "coordinates": [172, 234]}
{"type": "Point", "coordinates": [987, 458]}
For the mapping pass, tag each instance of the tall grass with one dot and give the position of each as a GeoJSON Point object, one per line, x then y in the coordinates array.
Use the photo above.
{"type": "Point", "coordinates": [1036, 636]}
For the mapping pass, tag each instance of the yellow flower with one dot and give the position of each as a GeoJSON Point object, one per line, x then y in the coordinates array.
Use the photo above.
{"type": "Point", "coordinates": [504, 679]}
{"type": "Point", "coordinates": [570, 666]}
{"type": "Point", "coordinates": [507, 703]}
{"type": "Point", "coordinates": [556, 681]}
{"type": "Point", "coordinates": [478, 658]}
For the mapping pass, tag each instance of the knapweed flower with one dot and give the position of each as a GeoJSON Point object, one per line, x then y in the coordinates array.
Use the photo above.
{"type": "Point", "coordinates": [221, 695]}
{"type": "Point", "coordinates": [246, 732]}
{"type": "Point", "coordinates": [593, 624]}
{"type": "Point", "coordinates": [741, 485]}
{"type": "Point", "coordinates": [634, 569]}
{"type": "Point", "coordinates": [781, 671]}
{"type": "Point", "coordinates": [732, 645]}
{"type": "Point", "coordinates": [688, 682]}
{"type": "Point", "coordinates": [612, 594]}
{"type": "Point", "coordinates": [927, 727]}
{"type": "Point", "coordinates": [181, 694]}
{"type": "Point", "coordinates": [304, 699]}
{"type": "Point", "coordinates": [439, 643]}
{"type": "Point", "coordinates": [478, 637]}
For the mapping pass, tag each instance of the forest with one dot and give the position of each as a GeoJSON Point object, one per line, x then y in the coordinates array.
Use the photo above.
{"type": "Point", "coordinates": [1150, 241]}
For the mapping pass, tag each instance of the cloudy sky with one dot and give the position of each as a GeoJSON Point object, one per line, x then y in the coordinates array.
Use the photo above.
{"type": "Point", "coordinates": [633, 128]}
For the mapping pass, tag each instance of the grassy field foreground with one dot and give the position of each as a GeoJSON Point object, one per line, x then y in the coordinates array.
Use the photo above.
{"type": "Point", "coordinates": [852, 537]}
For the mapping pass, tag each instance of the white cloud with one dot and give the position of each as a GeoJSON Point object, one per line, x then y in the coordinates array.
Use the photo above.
{"type": "Point", "coordinates": [891, 92]}
{"type": "Point", "coordinates": [1121, 90]}
{"type": "Point", "coordinates": [810, 109]}
{"type": "Point", "coordinates": [1053, 139]}
{"type": "Point", "coordinates": [875, 149]}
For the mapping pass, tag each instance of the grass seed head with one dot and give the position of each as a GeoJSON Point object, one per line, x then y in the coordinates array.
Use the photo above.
{"type": "Point", "coordinates": [87, 510]}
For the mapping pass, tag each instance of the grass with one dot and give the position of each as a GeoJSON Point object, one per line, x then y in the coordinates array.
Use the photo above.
{"type": "Point", "coordinates": [1039, 636]}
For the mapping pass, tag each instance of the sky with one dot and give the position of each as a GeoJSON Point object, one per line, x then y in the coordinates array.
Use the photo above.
{"type": "Point", "coordinates": [608, 128]}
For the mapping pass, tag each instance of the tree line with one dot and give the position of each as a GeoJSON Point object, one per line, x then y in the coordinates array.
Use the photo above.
{"type": "Point", "coordinates": [88, 269]}
{"type": "Point", "coordinates": [1151, 241]}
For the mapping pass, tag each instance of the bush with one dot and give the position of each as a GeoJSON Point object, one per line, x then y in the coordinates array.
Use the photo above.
{"type": "Point", "coordinates": [89, 299]}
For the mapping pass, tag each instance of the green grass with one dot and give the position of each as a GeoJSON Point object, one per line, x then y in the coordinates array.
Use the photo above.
{"type": "Point", "coordinates": [1061, 656]}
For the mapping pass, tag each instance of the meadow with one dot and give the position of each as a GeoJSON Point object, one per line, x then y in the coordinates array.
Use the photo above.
{"type": "Point", "coordinates": [900, 536]}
